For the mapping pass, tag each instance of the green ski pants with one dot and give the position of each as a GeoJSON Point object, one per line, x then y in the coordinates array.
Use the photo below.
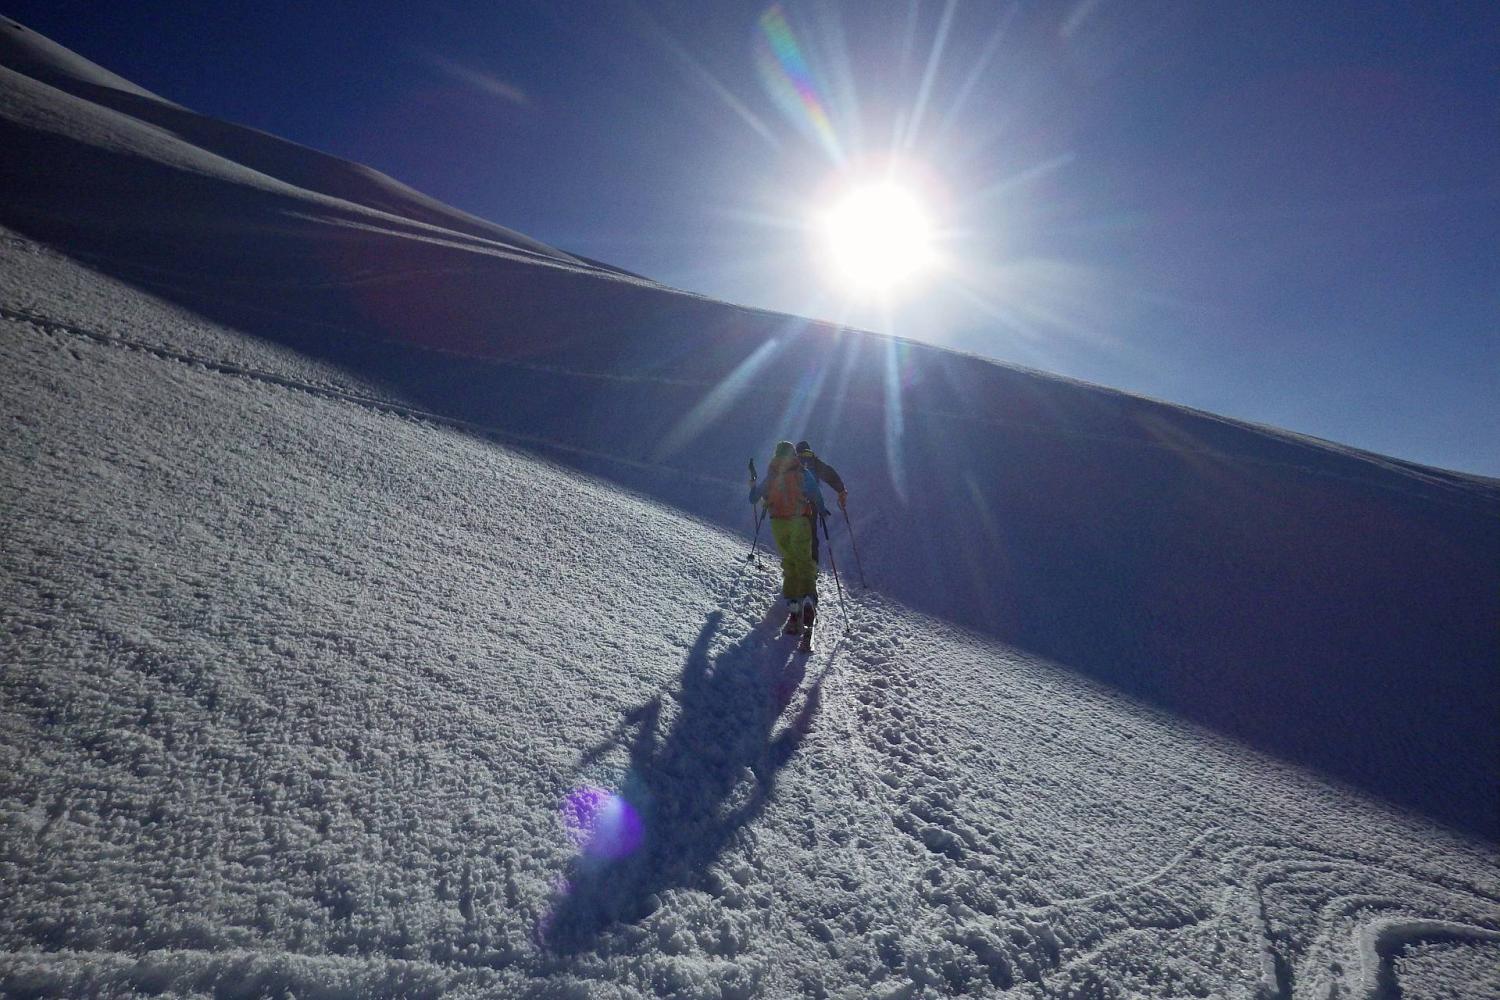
{"type": "Point", "coordinates": [799, 574]}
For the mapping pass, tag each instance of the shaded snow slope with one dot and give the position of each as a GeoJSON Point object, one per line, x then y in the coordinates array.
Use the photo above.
{"type": "Point", "coordinates": [1335, 607]}
{"type": "Point", "coordinates": [40, 57]}
{"type": "Point", "coordinates": [296, 685]}
{"type": "Point", "coordinates": [104, 104]}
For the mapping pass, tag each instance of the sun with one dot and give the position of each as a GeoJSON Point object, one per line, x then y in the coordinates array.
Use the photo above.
{"type": "Point", "coordinates": [878, 238]}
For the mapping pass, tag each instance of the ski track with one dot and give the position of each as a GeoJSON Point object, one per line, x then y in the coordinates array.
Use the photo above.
{"type": "Point", "coordinates": [1060, 944]}
{"type": "Point", "coordinates": [231, 973]}
{"type": "Point", "coordinates": [1440, 490]}
{"type": "Point", "coordinates": [46, 325]}
{"type": "Point", "coordinates": [1343, 942]}
{"type": "Point", "coordinates": [1446, 484]}
{"type": "Point", "coordinates": [1314, 923]}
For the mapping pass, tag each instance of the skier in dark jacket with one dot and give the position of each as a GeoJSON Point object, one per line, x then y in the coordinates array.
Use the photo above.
{"type": "Point", "coordinates": [823, 473]}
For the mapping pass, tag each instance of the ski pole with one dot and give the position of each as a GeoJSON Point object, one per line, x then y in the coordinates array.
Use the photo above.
{"type": "Point", "coordinates": [755, 543]}
{"type": "Point", "coordinates": [852, 544]}
{"type": "Point", "coordinates": [834, 563]}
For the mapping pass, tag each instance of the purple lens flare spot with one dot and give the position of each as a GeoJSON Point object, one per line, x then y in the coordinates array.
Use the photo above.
{"type": "Point", "coordinates": [601, 824]}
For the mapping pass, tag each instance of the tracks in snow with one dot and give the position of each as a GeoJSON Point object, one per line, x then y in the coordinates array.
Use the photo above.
{"type": "Point", "coordinates": [1439, 489]}
{"type": "Point", "coordinates": [1296, 921]}
{"type": "Point", "coordinates": [1333, 924]}
{"type": "Point", "coordinates": [51, 326]}
{"type": "Point", "coordinates": [230, 973]}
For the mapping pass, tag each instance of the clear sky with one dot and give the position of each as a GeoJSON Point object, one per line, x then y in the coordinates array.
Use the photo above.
{"type": "Point", "coordinates": [1284, 212]}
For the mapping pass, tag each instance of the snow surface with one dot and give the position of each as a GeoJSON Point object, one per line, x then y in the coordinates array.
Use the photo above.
{"type": "Point", "coordinates": [372, 584]}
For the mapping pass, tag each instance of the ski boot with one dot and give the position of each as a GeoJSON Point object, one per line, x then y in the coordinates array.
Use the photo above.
{"type": "Point", "coordinates": [793, 619]}
{"type": "Point", "coordinates": [809, 612]}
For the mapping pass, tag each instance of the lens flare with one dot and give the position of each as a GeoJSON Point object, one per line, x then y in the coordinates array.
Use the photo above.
{"type": "Point", "coordinates": [790, 81]}
{"type": "Point", "coordinates": [601, 823]}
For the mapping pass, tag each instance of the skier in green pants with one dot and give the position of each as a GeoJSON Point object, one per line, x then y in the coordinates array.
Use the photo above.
{"type": "Point", "coordinates": [788, 491]}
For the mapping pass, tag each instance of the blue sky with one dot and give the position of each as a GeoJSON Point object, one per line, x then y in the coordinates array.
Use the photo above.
{"type": "Point", "coordinates": [1284, 212]}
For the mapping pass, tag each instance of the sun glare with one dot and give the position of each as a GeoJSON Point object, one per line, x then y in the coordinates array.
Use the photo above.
{"type": "Point", "coordinates": [878, 238]}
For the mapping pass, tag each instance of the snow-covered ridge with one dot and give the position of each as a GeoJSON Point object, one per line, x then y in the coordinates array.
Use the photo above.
{"type": "Point", "coordinates": [40, 59]}
{"type": "Point", "coordinates": [38, 56]}
{"type": "Point", "coordinates": [345, 546]}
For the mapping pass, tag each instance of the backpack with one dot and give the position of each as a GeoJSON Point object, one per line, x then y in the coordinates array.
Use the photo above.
{"type": "Point", "coordinates": [786, 488]}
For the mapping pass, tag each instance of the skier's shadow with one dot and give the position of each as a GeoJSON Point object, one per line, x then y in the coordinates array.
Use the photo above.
{"type": "Point", "coordinates": [694, 787]}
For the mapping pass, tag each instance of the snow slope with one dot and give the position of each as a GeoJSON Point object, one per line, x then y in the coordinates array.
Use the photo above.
{"type": "Point", "coordinates": [350, 554]}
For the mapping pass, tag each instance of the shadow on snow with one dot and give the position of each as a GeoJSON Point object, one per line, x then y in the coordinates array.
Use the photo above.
{"type": "Point", "coordinates": [695, 781]}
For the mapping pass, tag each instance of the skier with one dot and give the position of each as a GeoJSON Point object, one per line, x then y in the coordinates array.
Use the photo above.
{"type": "Point", "coordinates": [823, 472]}
{"type": "Point", "coordinates": [788, 492]}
